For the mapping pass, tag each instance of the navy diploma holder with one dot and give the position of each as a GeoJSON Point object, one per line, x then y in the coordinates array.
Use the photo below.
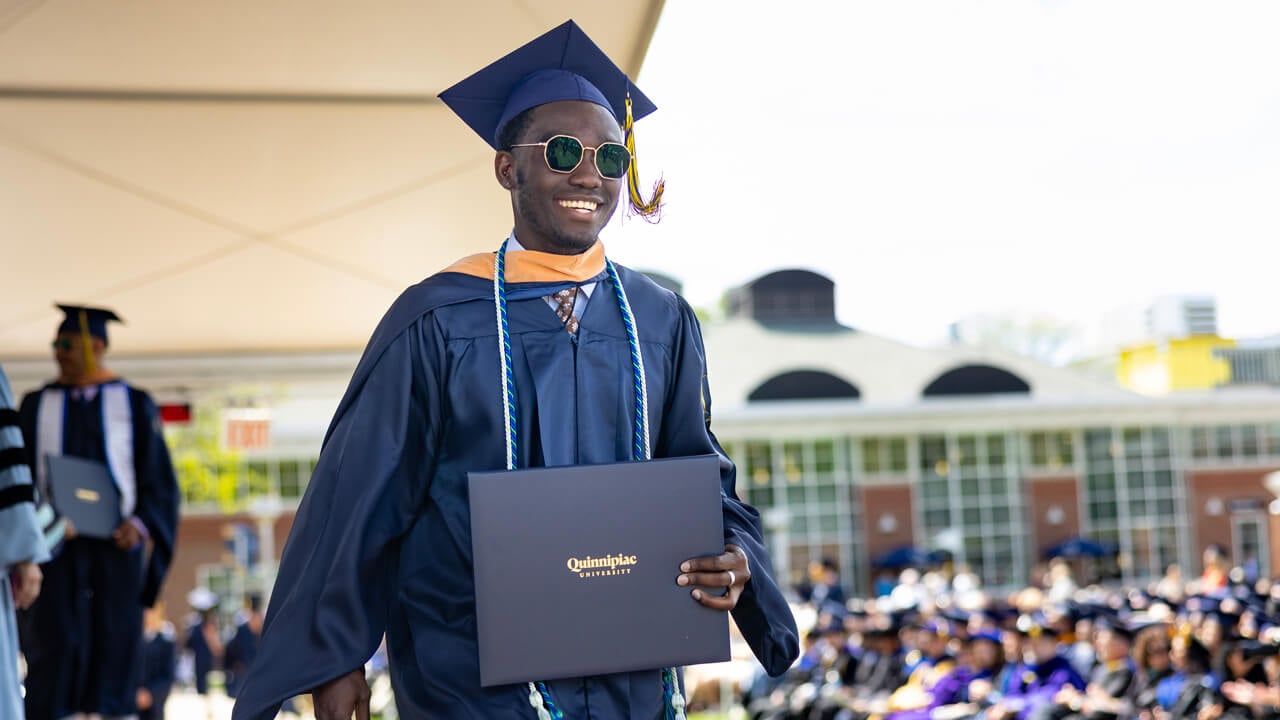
{"type": "Point", "coordinates": [575, 568]}
{"type": "Point", "coordinates": [84, 492]}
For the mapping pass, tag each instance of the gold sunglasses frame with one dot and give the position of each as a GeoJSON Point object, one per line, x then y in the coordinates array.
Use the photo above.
{"type": "Point", "coordinates": [595, 163]}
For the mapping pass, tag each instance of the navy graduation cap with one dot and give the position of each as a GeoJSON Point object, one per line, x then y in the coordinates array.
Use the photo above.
{"type": "Point", "coordinates": [1203, 604]}
{"type": "Point", "coordinates": [561, 64]}
{"type": "Point", "coordinates": [1137, 622]}
{"type": "Point", "coordinates": [1116, 626]}
{"type": "Point", "coordinates": [991, 635]}
{"type": "Point", "coordinates": [1036, 625]}
{"type": "Point", "coordinates": [957, 615]}
{"type": "Point", "coordinates": [998, 613]}
{"type": "Point", "coordinates": [89, 320]}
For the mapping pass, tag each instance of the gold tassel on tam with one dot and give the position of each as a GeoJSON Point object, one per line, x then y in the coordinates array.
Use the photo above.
{"type": "Point", "coordinates": [648, 209]}
{"type": "Point", "coordinates": [89, 366]}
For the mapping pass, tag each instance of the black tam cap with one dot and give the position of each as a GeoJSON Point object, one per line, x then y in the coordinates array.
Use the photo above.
{"type": "Point", "coordinates": [1116, 627]}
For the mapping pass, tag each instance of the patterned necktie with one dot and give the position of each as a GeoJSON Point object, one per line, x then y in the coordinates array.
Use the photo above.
{"type": "Point", "coordinates": [564, 308]}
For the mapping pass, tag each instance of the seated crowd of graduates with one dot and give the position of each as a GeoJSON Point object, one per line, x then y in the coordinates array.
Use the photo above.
{"type": "Point", "coordinates": [1101, 654]}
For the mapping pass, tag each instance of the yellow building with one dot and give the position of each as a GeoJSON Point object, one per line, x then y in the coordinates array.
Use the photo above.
{"type": "Point", "coordinates": [1175, 364]}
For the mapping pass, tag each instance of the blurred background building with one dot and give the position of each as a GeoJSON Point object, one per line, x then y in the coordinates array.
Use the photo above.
{"type": "Point", "coordinates": [855, 448]}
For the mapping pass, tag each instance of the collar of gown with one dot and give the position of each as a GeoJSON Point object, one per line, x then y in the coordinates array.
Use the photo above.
{"type": "Point", "coordinates": [531, 266]}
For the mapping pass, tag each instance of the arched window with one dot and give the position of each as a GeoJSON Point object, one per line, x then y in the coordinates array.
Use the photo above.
{"type": "Point", "coordinates": [804, 385]}
{"type": "Point", "coordinates": [787, 298]}
{"type": "Point", "coordinates": [976, 380]}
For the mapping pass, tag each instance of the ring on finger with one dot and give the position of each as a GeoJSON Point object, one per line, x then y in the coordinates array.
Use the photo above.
{"type": "Point", "coordinates": [732, 578]}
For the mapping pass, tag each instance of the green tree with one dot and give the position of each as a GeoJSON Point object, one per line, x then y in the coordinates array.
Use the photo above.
{"type": "Point", "coordinates": [208, 473]}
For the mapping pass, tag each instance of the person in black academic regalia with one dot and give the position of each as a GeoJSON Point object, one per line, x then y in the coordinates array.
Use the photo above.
{"type": "Point", "coordinates": [543, 354]}
{"type": "Point", "coordinates": [159, 662]}
{"type": "Point", "coordinates": [205, 645]}
{"type": "Point", "coordinates": [82, 637]}
{"type": "Point", "coordinates": [243, 646]}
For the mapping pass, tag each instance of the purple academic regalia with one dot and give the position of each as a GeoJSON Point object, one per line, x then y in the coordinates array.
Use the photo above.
{"type": "Point", "coordinates": [1037, 685]}
{"type": "Point", "coordinates": [946, 690]}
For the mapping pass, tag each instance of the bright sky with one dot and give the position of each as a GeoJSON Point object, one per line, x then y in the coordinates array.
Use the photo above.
{"type": "Point", "coordinates": [941, 158]}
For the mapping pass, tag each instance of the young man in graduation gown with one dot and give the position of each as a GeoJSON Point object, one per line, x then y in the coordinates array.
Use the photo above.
{"type": "Point", "coordinates": [83, 635]}
{"type": "Point", "coordinates": [22, 548]}
{"type": "Point", "coordinates": [381, 541]}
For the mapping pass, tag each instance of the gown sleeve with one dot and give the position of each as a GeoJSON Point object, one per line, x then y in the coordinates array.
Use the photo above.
{"type": "Point", "coordinates": [157, 505]}
{"type": "Point", "coordinates": [337, 576]}
{"type": "Point", "coordinates": [762, 614]}
{"type": "Point", "coordinates": [21, 538]}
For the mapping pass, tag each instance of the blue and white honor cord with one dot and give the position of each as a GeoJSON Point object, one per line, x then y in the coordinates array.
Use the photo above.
{"type": "Point", "coordinates": [539, 696]}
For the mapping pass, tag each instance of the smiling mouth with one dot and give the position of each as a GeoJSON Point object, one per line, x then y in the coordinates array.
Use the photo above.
{"type": "Point", "coordinates": [587, 205]}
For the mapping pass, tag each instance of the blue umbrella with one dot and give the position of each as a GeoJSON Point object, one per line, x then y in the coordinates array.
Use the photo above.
{"type": "Point", "coordinates": [1077, 547]}
{"type": "Point", "coordinates": [906, 556]}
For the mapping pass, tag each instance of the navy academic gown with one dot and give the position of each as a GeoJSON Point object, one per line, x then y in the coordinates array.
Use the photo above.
{"type": "Point", "coordinates": [382, 539]}
{"type": "Point", "coordinates": [238, 656]}
{"type": "Point", "coordinates": [82, 647]}
{"type": "Point", "coordinates": [202, 655]}
{"type": "Point", "coordinates": [159, 661]}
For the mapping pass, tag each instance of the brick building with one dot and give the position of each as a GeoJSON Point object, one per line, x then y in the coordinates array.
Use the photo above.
{"type": "Point", "coordinates": [852, 445]}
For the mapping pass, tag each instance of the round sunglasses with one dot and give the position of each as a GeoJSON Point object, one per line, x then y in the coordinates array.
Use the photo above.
{"type": "Point", "coordinates": [564, 155]}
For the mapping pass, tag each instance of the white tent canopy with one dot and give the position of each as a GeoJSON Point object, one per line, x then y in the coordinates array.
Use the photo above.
{"type": "Point", "coordinates": [247, 176]}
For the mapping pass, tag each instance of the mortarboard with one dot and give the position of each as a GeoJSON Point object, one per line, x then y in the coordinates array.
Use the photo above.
{"type": "Point", "coordinates": [881, 630]}
{"type": "Point", "coordinates": [885, 625]}
{"type": "Point", "coordinates": [857, 608]}
{"type": "Point", "coordinates": [1137, 622]}
{"type": "Point", "coordinates": [1116, 627]}
{"type": "Point", "coordinates": [1057, 612]}
{"type": "Point", "coordinates": [1087, 610]}
{"type": "Point", "coordinates": [561, 64]}
{"type": "Point", "coordinates": [833, 608]}
{"type": "Point", "coordinates": [988, 634]}
{"type": "Point", "coordinates": [938, 627]}
{"type": "Point", "coordinates": [833, 625]}
{"type": "Point", "coordinates": [1227, 619]}
{"type": "Point", "coordinates": [1139, 599]}
{"type": "Point", "coordinates": [1201, 604]}
{"type": "Point", "coordinates": [1037, 625]}
{"type": "Point", "coordinates": [998, 613]}
{"type": "Point", "coordinates": [90, 320]}
{"type": "Point", "coordinates": [1103, 612]}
